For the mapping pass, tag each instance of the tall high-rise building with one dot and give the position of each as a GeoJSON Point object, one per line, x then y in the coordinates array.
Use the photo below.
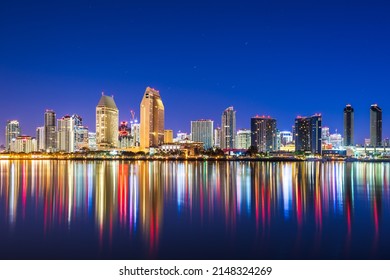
{"type": "Point", "coordinates": [65, 134]}
{"type": "Point", "coordinates": [12, 131]}
{"type": "Point", "coordinates": [40, 136]}
{"type": "Point", "coordinates": [243, 139]}
{"type": "Point", "coordinates": [263, 130]}
{"type": "Point", "coordinates": [152, 119]}
{"type": "Point", "coordinates": [202, 131]}
{"type": "Point", "coordinates": [107, 121]}
{"type": "Point", "coordinates": [50, 131]}
{"type": "Point", "coordinates": [308, 134]}
{"type": "Point", "coordinates": [376, 126]}
{"type": "Point", "coordinates": [217, 137]}
{"type": "Point", "coordinates": [228, 129]}
{"type": "Point", "coordinates": [348, 126]}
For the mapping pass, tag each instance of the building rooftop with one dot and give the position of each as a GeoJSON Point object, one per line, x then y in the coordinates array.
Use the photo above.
{"type": "Point", "coordinates": [107, 101]}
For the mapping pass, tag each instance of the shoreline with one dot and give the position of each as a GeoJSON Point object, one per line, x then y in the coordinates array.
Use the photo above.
{"type": "Point", "coordinates": [5, 157]}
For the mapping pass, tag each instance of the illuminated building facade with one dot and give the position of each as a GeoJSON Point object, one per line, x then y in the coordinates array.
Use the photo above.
{"type": "Point", "coordinates": [40, 136]}
{"type": "Point", "coordinates": [217, 137]}
{"type": "Point", "coordinates": [65, 134]}
{"type": "Point", "coordinates": [168, 136]}
{"type": "Point", "coordinates": [263, 133]}
{"type": "Point", "coordinates": [243, 139]}
{"type": "Point", "coordinates": [135, 134]}
{"type": "Point", "coordinates": [12, 131]}
{"type": "Point", "coordinates": [23, 144]}
{"type": "Point", "coordinates": [308, 134]}
{"type": "Point", "coordinates": [228, 129]}
{"type": "Point", "coordinates": [50, 131]}
{"type": "Point", "coordinates": [125, 138]}
{"type": "Point", "coordinates": [286, 137]}
{"type": "Point", "coordinates": [202, 131]}
{"type": "Point", "coordinates": [348, 126]}
{"type": "Point", "coordinates": [107, 120]}
{"type": "Point", "coordinates": [375, 126]}
{"type": "Point", "coordinates": [152, 119]}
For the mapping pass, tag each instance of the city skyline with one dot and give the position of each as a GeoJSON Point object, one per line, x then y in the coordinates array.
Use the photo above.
{"type": "Point", "coordinates": [261, 58]}
{"type": "Point", "coordinates": [109, 103]}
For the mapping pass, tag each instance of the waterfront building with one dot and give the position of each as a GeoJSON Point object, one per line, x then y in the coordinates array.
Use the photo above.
{"type": "Point", "coordinates": [125, 138]}
{"type": "Point", "coordinates": [65, 134]}
{"type": "Point", "coordinates": [325, 135]}
{"type": "Point", "coordinates": [135, 133]}
{"type": "Point", "coordinates": [40, 136]}
{"type": "Point", "coordinates": [217, 137]}
{"type": "Point", "coordinates": [50, 131]}
{"type": "Point", "coordinates": [349, 129]}
{"type": "Point", "coordinates": [228, 129]}
{"type": "Point", "coordinates": [23, 144]}
{"type": "Point", "coordinates": [336, 140]}
{"type": "Point", "coordinates": [168, 136]}
{"type": "Point", "coordinates": [180, 136]}
{"type": "Point", "coordinates": [285, 137]}
{"type": "Point", "coordinates": [92, 141]}
{"type": "Point", "coordinates": [375, 126]}
{"type": "Point", "coordinates": [263, 133]}
{"type": "Point", "coordinates": [308, 134]}
{"type": "Point", "coordinates": [12, 131]}
{"type": "Point", "coordinates": [107, 120]}
{"type": "Point", "coordinates": [152, 119]}
{"type": "Point", "coordinates": [81, 137]}
{"type": "Point", "coordinates": [386, 142]}
{"type": "Point", "coordinates": [202, 131]}
{"type": "Point", "coordinates": [243, 139]}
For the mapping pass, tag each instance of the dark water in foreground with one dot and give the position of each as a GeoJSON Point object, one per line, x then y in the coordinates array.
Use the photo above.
{"type": "Point", "coordinates": [194, 210]}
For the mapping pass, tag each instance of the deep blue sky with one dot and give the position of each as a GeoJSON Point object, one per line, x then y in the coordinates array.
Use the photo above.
{"type": "Point", "coordinates": [279, 58]}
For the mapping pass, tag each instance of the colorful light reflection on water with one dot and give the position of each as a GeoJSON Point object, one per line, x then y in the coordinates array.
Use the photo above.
{"type": "Point", "coordinates": [194, 210]}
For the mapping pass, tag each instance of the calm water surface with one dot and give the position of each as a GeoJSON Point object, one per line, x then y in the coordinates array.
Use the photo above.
{"type": "Point", "coordinates": [194, 210]}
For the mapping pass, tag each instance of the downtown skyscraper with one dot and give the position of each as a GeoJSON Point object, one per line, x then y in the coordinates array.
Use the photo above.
{"type": "Point", "coordinates": [202, 131]}
{"type": "Point", "coordinates": [152, 119]}
{"type": "Point", "coordinates": [50, 131]}
{"type": "Point", "coordinates": [308, 133]}
{"type": "Point", "coordinates": [348, 126]}
{"type": "Point", "coordinates": [263, 134]}
{"type": "Point", "coordinates": [107, 121]}
{"type": "Point", "coordinates": [228, 129]}
{"type": "Point", "coordinates": [12, 131]}
{"type": "Point", "coordinates": [375, 126]}
{"type": "Point", "coordinates": [65, 134]}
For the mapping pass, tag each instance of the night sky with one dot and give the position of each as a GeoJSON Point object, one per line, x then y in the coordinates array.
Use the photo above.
{"type": "Point", "coordinates": [278, 58]}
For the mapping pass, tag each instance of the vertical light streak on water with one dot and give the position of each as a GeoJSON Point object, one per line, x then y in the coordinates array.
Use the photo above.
{"type": "Point", "coordinates": [340, 186]}
{"type": "Point", "coordinates": [134, 195]}
{"type": "Point", "coordinates": [248, 188]}
{"type": "Point", "coordinates": [180, 182]}
{"type": "Point", "coordinates": [287, 189]}
{"type": "Point", "coordinates": [239, 190]}
{"type": "Point", "coordinates": [13, 196]}
{"type": "Point", "coordinates": [24, 187]}
{"type": "Point", "coordinates": [70, 190]}
{"type": "Point", "coordinates": [91, 168]}
{"type": "Point", "coordinates": [100, 199]}
{"type": "Point", "coordinates": [189, 187]}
